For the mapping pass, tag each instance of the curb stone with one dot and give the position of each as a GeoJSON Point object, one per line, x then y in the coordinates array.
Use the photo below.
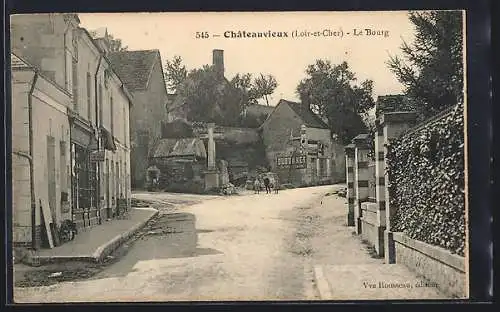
{"type": "Point", "coordinates": [322, 284]}
{"type": "Point", "coordinates": [107, 248]}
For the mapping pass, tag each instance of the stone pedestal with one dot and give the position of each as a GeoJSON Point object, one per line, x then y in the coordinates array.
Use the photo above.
{"type": "Point", "coordinates": [393, 124]}
{"type": "Point", "coordinates": [361, 176]}
{"type": "Point", "coordinates": [349, 162]}
{"type": "Point", "coordinates": [389, 250]}
{"type": "Point", "coordinates": [211, 180]}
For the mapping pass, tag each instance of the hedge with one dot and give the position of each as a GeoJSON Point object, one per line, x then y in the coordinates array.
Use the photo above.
{"type": "Point", "coordinates": [426, 173]}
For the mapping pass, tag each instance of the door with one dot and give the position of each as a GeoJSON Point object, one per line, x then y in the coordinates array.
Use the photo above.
{"type": "Point", "coordinates": [108, 193]}
{"type": "Point", "coordinates": [51, 176]}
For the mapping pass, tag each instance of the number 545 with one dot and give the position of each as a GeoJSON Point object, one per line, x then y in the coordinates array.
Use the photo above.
{"type": "Point", "coordinates": [202, 34]}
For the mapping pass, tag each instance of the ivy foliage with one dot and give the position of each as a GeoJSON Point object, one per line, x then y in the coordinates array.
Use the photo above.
{"type": "Point", "coordinates": [426, 172]}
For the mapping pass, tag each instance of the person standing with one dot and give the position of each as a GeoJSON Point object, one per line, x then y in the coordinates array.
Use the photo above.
{"type": "Point", "coordinates": [267, 183]}
{"type": "Point", "coordinates": [256, 185]}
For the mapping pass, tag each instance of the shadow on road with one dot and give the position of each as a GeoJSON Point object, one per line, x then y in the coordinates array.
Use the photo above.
{"type": "Point", "coordinates": [171, 235]}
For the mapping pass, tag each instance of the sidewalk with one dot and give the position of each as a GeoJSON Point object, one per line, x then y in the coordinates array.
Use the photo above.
{"type": "Point", "coordinates": [97, 242]}
{"type": "Point", "coordinates": [344, 269]}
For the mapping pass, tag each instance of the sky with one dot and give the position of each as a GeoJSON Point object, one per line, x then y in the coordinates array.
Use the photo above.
{"type": "Point", "coordinates": [286, 58]}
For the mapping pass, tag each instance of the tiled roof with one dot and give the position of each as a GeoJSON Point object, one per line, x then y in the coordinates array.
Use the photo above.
{"type": "Point", "coordinates": [180, 147]}
{"type": "Point", "coordinates": [134, 67]}
{"type": "Point", "coordinates": [309, 118]}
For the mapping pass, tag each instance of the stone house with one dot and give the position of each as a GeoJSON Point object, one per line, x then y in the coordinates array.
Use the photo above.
{"type": "Point", "coordinates": [40, 152]}
{"type": "Point", "coordinates": [181, 163]}
{"type": "Point", "coordinates": [292, 132]}
{"type": "Point", "coordinates": [142, 73]}
{"type": "Point", "coordinates": [97, 114]}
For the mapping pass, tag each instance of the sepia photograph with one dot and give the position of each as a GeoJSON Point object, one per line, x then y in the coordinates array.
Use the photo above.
{"type": "Point", "coordinates": [239, 156]}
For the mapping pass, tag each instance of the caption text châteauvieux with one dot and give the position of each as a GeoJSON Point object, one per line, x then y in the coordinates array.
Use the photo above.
{"type": "Point", "coordinates": [269, 34]}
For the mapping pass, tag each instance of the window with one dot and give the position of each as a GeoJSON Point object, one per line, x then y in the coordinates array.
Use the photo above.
{"type": "Point", "coordinates": [111, 114]}
{"type": "Point", "coordinates": [124, 128]}
{"type": "Point", "coordinates": [100, 105]}
{"type": "Point", "coordinates": [75, 86]}
{"type": "Point", "coordinates": [89, 97]}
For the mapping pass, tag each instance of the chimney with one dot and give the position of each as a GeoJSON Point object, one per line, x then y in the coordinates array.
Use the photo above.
{"type": "Point", "coordinates": [218, 62]}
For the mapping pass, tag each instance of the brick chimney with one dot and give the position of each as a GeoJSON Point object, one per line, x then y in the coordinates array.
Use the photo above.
{"type": "Point", "coordinates": [218, 62]}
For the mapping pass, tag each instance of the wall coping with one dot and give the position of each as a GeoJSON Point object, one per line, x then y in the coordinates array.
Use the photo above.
{"type": "Point", "coordinates": [398, 117]}
{"type": "Point", "coordinates": [437, 253]}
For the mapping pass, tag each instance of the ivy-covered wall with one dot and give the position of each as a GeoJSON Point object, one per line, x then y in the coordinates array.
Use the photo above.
{"type": "Point", "coordinates": [426, 169]}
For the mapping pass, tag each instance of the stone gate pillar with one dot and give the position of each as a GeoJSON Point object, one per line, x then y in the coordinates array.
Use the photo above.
{"type": "Point", "coordinates": [393, 124]}
{"type": "Point", "coordinates": [349, 163]}
{"type": "Point", "coordinates": [361, 173]}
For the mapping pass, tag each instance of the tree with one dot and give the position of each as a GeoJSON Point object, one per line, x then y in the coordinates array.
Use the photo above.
{"type": "Point", "coordinates": [246, 93]}
{"type": "Point", "coordinates": [264, 86]}
{"type": "Point", "coordinates": [207, 98]}
{"type": "Point", "coordinates": [115, 45]}
{"type": "Point", "coordinates": [175, 73]}
{"type": "Point", "coordinates": [331, 91]}
{"type": "Point", "coordinates": [431, 68]}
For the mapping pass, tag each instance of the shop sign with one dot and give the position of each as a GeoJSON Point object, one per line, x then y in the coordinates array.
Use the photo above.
{"type": "Point", "coordinates": [296, 161]}
{"type": "Point", "coordinates": [96, 156]}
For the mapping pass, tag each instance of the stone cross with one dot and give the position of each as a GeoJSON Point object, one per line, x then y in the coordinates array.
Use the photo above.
{"type": "Point", "coordinates": [211, 147]}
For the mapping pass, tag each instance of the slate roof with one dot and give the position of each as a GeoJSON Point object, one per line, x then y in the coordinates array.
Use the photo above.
{"type": "Point", "coordinates": [134, 67]}
{"type": "Point", "coordinates": [180, 147]}
{"type": "Point", "coordinates": [309, 118]}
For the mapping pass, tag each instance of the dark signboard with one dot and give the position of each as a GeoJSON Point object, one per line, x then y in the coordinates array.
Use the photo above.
{"type": "Point", "coordinates": [96, 156]}
{"type": "Point", "coordinates": [295, 161]}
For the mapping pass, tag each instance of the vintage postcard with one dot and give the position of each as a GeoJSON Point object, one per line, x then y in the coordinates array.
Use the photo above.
{"type": "Point", "coordinates": [239, 156]}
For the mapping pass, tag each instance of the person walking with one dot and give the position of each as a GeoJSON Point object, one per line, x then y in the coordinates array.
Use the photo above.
{"type": "Point", "coordinates": [267, 184]}
{"type": "Point", "coordinates": [276, 185]}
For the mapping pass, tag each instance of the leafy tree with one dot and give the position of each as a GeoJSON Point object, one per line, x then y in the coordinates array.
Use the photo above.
{"type": "Point", "coordinates": [175, 73]}
{"type": "Point", "coordinates": [331, 91]}
{"type": "Point", "coordinates": [264, 86]}
{"type": "Point", "coordinates": [431, 69]}
{"type": "Point", "coordinates": [114, 44]}
{"type": "Point", "coordinates": [207, 98]}
{"type": "Point", "coordinates": [246, 93]}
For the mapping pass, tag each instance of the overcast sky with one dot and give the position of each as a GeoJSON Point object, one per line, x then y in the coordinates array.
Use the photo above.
{"type": "Point", "coordinates": [285, 58]}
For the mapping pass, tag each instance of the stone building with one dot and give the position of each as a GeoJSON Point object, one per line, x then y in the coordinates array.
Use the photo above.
{"type": "Point", "coordinates": [142, 73]}
{"type": "Point", "coordinates": [41, 172]}
{"type": "Point", "coordinates": [300, 147]}
{"type": "Point", "coordinates": [97, 141]}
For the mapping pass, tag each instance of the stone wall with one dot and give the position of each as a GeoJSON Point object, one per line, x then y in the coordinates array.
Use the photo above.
{"type": "Point", "coordinates": [434, 263]}
{"type": "Point", "coordinates": [371, 229]}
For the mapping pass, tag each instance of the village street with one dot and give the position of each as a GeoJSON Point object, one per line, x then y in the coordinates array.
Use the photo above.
{"type": "Point", "coordinates": [252, 246]}
{"type": "Point", "coordinates": [243, 247]}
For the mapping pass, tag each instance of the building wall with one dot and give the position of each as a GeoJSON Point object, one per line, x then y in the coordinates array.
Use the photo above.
{"type": "Point", "coordinates": [115, 110]}
{"type": "Point", "coordinates": [88, 60]}
{"type": "Point", "coordinates": [45, 41]}
{"type": "Point", "coordinates": [147, 115]}
{"type": "Point", "coordinates": [21, 193]}
{"type": "Point", "coordinates": [276, 132]}
{"type": "Point", "coordinates": [50, 102]}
